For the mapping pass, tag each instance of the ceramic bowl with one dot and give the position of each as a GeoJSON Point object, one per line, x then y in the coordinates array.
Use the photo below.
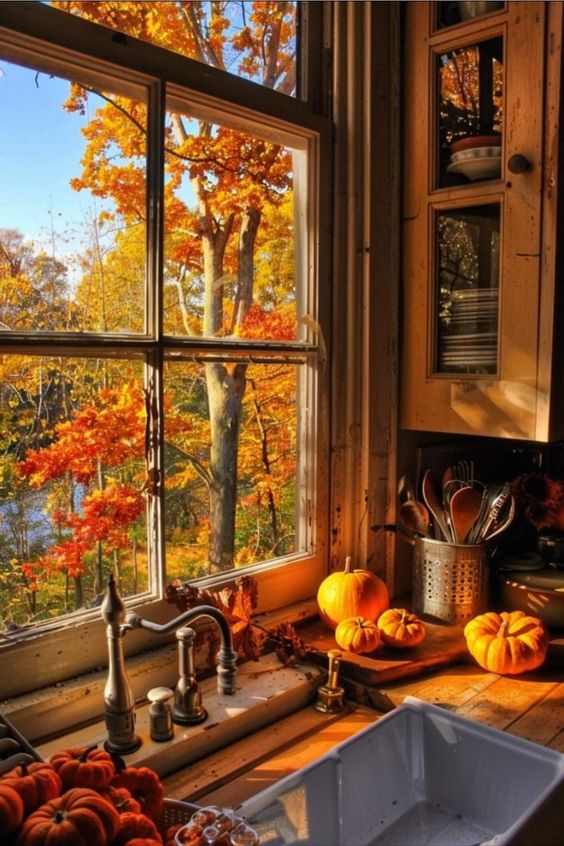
{"type": "Point", "coordinates": [475, 153]}
{"type": "Point", "coordinates": [475, 141]}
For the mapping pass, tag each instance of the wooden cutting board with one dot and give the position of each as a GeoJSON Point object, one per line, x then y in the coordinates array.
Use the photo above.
{"type": "Point", "coordinates": [443, 645]}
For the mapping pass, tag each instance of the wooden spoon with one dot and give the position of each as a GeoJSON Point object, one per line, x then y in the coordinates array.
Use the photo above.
{"type": "Point", "coordinates": [434, 504]}
{"type": "Point", "coordinates": [465, 506]}
{"type": "Point", "coordinates": [414, 517]}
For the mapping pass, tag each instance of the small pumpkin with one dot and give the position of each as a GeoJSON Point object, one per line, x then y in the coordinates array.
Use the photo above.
{"type": "Point", "coordinates": [351, 593]}
{"type": "Point", "coordinates": [80, 817]}
{"type": "Point", "coordinates": [84, 767]}
{"type": "Point", "coordinates": [401, 629]}
{"type": "Point", "coordinates": [144, 841]}
{"type": "Point", "coordinates": [145, 787]}
{"type": "Point", "coordinates": [35, 784]}
{"type": "Point", "coordinates": [135, 825]}
{"type": "Point", "coordinates": [121, 798]}
{"type": "Point", "coordinates": [11, 810]}
{"type": "Point", "coordinates": [358, 635]}
{"type": "Point", "coordinates": [508, 643]}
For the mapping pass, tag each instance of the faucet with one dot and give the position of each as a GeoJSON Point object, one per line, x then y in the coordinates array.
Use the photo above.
{"type": "Point", "coordinates": [119, 702]}
{"type": "Point", "coordinates": [187, 709]}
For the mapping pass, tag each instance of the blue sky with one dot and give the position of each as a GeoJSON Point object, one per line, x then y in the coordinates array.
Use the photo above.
{"type": "Point", "coordinates": [40, 151]}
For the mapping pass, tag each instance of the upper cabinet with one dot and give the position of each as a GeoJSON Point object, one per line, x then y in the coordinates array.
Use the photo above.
{"type": "Point", "coordinates": [479, 346]}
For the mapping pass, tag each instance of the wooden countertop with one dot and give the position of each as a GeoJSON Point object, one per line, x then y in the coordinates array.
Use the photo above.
{"type": "Point", "coordinates": [530, 706]}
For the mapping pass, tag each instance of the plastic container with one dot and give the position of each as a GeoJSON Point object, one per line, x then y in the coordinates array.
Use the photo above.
{"type": "Point", "coordinates": [420, 776]}
{"type": "Point", "coordinates": [450, 581]}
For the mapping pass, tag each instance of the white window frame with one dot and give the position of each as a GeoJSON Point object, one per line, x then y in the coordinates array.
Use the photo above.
{"type": "Point", "coordinates": [76, 644]}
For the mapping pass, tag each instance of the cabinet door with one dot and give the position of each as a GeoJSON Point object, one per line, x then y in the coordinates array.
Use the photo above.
{"type": "Point", "coordinates": [472, 218]}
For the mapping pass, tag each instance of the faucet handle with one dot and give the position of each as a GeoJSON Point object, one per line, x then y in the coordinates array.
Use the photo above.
{"type": "Point", "coordinates": [331, 696]}
{"type": "Point", "coordinates": [160, 713]}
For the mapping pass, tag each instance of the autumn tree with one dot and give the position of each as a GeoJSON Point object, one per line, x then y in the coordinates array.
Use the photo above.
{"type": "Point", "coordinates": [234, 178]}
{"type": "Point", "coordinates": [109, 434]}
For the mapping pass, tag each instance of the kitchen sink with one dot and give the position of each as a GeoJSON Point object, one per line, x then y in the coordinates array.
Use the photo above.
{"type": "Point", "coordinates": [419, 776]}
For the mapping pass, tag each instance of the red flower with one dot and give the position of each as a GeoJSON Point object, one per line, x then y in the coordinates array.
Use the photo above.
{"type": "Point", "coordinates": [540, 499]}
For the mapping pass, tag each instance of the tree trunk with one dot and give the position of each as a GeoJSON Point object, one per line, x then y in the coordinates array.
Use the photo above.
{"type": "Point", "coordinates": [226, 388]}
{"type": "Point", "coordinates": [78, 593]}
{"type": "Point", "coordinates": [225, 394]}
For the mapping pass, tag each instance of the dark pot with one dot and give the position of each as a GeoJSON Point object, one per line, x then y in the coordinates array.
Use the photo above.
{"type": "Point", "coordinates": [551, 547]}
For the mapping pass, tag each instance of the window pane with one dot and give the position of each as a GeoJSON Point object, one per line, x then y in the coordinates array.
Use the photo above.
{"type": "Point", "coordinates": [232, 450]}
{"type": "Point", "coordinates": [468, 290]}
{"type": "Point", "coordinates": [470, 128]}
{"type": "Point", "coordinates": [72, 507]}
{"type": "Point", "coordinates": [256, 41]}
{"type": "Point", "coordinates": [231, 233]}
{"type": "Point", "coordinates": [72, 205]}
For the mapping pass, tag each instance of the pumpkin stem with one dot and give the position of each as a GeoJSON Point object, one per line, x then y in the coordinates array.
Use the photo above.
{"type": "Point", "coordinates": [59, 817]}
{"type": "Point", "coordinates": [119, 763]}
{"type": "Point", "coordinates": [348, 564]}
{"type": "Point", "coordinates": [86, 752]}
{"type": "Point", "coordinates": [503, 629]}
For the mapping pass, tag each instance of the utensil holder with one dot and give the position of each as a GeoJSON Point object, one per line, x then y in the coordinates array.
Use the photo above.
{"type": "Point", "coordinates": [450, 581]}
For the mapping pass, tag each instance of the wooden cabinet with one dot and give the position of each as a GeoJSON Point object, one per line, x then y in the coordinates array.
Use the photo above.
{"type": "Point", "coordinates": [480, 340]}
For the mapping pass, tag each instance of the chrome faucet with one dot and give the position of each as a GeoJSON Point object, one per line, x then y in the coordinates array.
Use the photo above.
{"type": "Point", "coordinates": [187, 708]}
{"type": "Point", "coordinates": [119, 703]}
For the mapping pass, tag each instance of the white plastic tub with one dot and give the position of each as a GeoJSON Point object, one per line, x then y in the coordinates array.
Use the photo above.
{"type": "Point", "coordinates": [420, 776]}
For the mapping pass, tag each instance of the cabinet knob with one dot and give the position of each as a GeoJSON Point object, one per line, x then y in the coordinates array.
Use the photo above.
{"type": "Point", "coordinates": [518, 163]}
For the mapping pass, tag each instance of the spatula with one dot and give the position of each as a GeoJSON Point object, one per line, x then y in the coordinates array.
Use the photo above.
{"type": "Point", "coordinates": [465, 506]}
{"type": "Point", "coordinates": [434, 504]}
{"type": "Point", "coordinates": [414, 517]}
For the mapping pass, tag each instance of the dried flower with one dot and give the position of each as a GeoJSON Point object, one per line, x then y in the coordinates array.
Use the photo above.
{"type": "Point", "coordinates": [540, 499]}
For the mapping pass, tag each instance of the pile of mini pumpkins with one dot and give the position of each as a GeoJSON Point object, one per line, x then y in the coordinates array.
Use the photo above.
{"type": "Point", "coordinates": [355, 603]}
{"type": "Point", "coordinates": [82, 797]}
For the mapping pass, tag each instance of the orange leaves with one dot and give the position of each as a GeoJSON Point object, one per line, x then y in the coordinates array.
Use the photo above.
{"type": "Point", "coordinates": [279, 324]}
{"type": "Point", "coordinates": [109, 432]}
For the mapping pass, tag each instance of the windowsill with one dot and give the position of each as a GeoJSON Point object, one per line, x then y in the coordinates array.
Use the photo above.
{"type": "Point", "coordinates": [55, 710]}
{"type": "Point", "coordinates": [266, 692]}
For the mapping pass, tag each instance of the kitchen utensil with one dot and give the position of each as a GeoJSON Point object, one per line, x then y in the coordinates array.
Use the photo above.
{"type": "Point", "coordinates": [464, 507]}
{"type": "Point", "coordinates": [414, 517]}
{"type": "Point", "coordinates": [434, 504]}
{"type": "Point", "coordinates": [494, 513]}
{"type": "Point", "coordinates": [488, 498]}
{"type": "Point", "coordinates": [501, 524]}
{"type": "Point", "coordinates": [406, 489]}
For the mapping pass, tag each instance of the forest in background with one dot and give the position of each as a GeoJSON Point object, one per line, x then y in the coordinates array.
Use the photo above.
{"type": "Point", "coordinates": [74, 487]}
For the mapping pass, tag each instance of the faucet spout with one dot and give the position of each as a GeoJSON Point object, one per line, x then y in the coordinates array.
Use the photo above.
{"type": "Point", "coordinates": [227, 665]}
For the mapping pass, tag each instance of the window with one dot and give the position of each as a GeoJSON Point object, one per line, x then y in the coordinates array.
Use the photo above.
{"type": "Point", "coordinates": [160, 355]}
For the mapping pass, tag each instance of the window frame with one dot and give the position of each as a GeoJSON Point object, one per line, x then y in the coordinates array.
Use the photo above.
{"type": "Point", "coordinates": [76, 644]}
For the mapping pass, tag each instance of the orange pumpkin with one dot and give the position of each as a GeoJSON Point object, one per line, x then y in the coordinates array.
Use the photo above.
{"type": "Point", "coordinates": [351, 593]}
{"type": "Point", "coordinates": [400, 628]}
{"type": "Point", "coordinates": [34, 783]}
{"type": "Point", "coordinates": [80, 817]}
{"type": "Point", "coordinates": [11, 810]}
{"type": "Point", "coordinates": [121, 798]}
{"type": "Point", "coordinates": [84, 767]}
{"type": "Point", "coordinates": [145, 787]}
{"type": "Point", "coordinates": [358, 635]}
{"type": "Point", "coordinates": [135, 825]}
{"type": "Point", "coordinates": [508, 643]}
{"type": "Point", "coordinates": [144, 841]}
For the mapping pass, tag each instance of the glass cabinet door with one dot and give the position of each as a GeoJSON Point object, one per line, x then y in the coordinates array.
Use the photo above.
{"type": "Point", "coordinates": [467, 290]}
{"type": "Point", "coordinates": [476, 108]}
{"type": "Point", "coordinates": [470, 113]}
